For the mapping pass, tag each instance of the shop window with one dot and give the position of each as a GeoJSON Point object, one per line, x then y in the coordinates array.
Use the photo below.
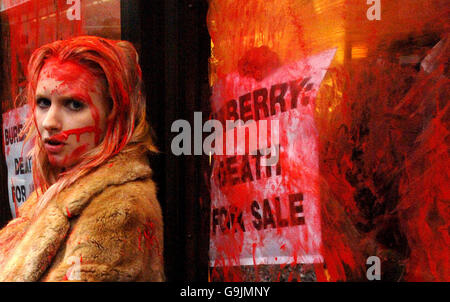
{"type": "Point", "coordinates": [26, 25]}
{"type": "Point", "coordinates": [362, 144]}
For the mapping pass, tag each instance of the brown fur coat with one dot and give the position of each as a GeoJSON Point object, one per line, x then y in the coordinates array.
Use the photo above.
{"type": "Point", "coordinates": [107, 226]}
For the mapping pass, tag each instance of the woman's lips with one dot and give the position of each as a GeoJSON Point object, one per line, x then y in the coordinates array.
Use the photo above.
{"type": "Point", "coordinates": [53, 146]}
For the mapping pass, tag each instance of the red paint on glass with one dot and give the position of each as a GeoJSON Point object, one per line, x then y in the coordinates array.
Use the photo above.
{"type": "Point", "coordinates": [383, 127]}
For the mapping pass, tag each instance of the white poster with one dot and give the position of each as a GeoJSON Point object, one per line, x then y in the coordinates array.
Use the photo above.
{"type": "Point", "coordinates": [20, 179]}
{"type": "Point", "coordinates": [269, 214]}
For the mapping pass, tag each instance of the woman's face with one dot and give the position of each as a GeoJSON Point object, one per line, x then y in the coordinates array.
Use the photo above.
{"type": "Point", "coordinates": [71, 109]}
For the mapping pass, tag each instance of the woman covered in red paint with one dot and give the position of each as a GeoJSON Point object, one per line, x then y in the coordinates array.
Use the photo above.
{"type": "Point", "coordinates": [94, 215]}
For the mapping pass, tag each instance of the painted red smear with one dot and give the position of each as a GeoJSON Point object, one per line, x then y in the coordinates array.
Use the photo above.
{"type": "Point", "coordinates": [95, 116]}
{"type": "Point", "coordinates": [52, 69]}
{"type": "Point", "coordinates": [396, 131]}
{"type": "Point", "coordinates": [139, 239]}
{"type": "Point", "coordinates": [147, 239]}
{"type": "Point", "coordinates": [427, 170]}
{"type": "Point", "coordinates": [63, 136]}
{"type": "Point", "coordinates": [70, 158]}
{"type": "Point", "coordinates": [35, 122]}
{"type": "Point", "coordinates": [320, 272]}
{"type": "Point", "coordinates": [77, 153]}
{"type": "Point", "coordinates": [254, 261]}
{"type": "Point", "coordinates": [68, 213]}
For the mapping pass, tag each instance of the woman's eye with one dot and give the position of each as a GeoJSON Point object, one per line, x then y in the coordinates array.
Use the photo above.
{"type": "Point", "coordinates": [43, 103]}
{"type": "Point", "coordinates": [75, 105]}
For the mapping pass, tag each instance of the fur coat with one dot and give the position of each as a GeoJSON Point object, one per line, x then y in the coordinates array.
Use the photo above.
{"type": "Point", "coordinates": [107, 226]}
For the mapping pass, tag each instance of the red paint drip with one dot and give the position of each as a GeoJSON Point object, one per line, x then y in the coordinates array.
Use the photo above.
{"type": "Point", "coordinates": [63, 136]}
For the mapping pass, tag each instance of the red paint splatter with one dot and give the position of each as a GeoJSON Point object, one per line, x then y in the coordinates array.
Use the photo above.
{"type": "Point", "coordinates": [258, 63]}
{"type": "Point", "coordinates": [77, 153]}
{"type": "Point", "coordinates": [63, 136]}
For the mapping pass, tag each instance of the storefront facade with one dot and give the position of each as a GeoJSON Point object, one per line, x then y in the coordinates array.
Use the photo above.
{"type": "Point", "coordinates": [361, 93]}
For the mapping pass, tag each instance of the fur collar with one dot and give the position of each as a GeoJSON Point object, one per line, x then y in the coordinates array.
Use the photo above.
{"type": "Point", "coordinates": [120, 169]}
{"type": "Point", "coordinates": [41, 239]}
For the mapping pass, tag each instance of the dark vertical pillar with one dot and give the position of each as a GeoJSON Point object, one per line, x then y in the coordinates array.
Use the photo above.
{"type": "Point", "coordinates": [193, 53]}
{"type": "Point", "coordinates": [175, 236]}
{"type": "Point", "coordinates": [5, 211]}
{"type": "Point", "coordinates": [130, 22]}
{"type": "Point", "coordinates": [174, 46]}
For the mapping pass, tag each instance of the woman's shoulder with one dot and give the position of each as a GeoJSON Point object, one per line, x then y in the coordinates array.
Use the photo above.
{"type": "Point", "coordinates": [128, 176]}
{"type": "Point", "coordinates": [138, 196]}
{"type": "Point", "coordinates": [135, 191]}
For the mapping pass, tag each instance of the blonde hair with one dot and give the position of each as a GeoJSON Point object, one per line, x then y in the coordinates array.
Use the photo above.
{"type": "Point", "coordinates": [127, 128]}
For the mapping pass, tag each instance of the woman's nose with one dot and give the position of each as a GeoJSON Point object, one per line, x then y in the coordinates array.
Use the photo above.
{"type": "Point", "coordinates": [52, 121]}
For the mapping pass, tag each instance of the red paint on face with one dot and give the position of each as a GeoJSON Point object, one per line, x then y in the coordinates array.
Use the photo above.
{"type": "Point", "coordinates": [53, 70]}
{"type": "Point", "coordinates": [77, 132]}
{"type": "Point", "coordinates": [77, 153]}
{"type": "Point", "coordinates": [70, 110]}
